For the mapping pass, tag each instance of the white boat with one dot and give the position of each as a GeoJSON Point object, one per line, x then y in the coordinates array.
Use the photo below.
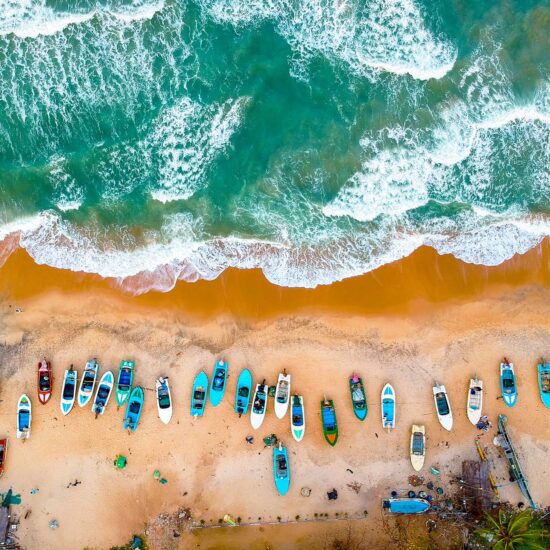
{"type": "Point", "coordinates": [259, 405]}
{"type": "Point", "coordinates": [418, 446]}
{"type": "Point", "coordinates": [387, 401]}
{"type": "Point", "coordinates": [103, 393]}
{"type": "Point", "coordinates": [443, 406]}
{"type": "Point", "coordinates": [282, 394]}
{"type": "Point", "coordinates": [297, 417]}
{"type": "Point", "coordinates": [164, 399]}
{"type": "Point", "coordinates": [475, 400]}
{"type": "Point", "coordinates": [87, 383]}
{"type": "Point", "coordinates": [68, 391]}
{"type": "Point", "coordinates": [24, 417]}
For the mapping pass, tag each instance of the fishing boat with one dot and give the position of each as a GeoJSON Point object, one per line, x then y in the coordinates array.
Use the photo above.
{"type": "Point", "coordinates": [387, 399]}
{"type": "Point", "coordinates": [68, 394]}
{"type": "Point", "coordinates": [297, 417]}
{"type": "Point", "coordinates": [406, 505]}
{"type": "Point", "coordinates": [242, 394]}
{"type": "Point", "coordinates": [24, 417]}
{"type": "Point", "coordinates": [281, 469]}
{"type": "Point", "coordinates": [418, 446]}
{"type": "Point", "coordinates": [44, 381]}
{"type": "Point", "coordinates": [217, 387]}
{"type": "Point", "coordinates": [508, 383]}
{"type": "Point", "coordinates": [475, 400]}
{"type": "Point", "coordinates": [133, 409]}
{"type": "Point", "coordinates": [358, 397]}
{"type": "Point", "coordinates": [164, 399]}
{"type": "Point", "coordinates": [199, 394]}
{"type": "Point", "coordinates": [87, 383]}
{"type": "Point", "coordinates": [124, 382]}
{"type": "Point", "coordinates": [259, 405]}
{"type": "Point", "coordinates": [3, 454]}
{"type": "Point", "coordinates": [103, 393]}
{"type": "Point", "coordinates": [282, 394]}
{"type": "Point", "coordinates": [443, 406]}
{"type": "Point", "coordinates": [328, 417]}
{"type": "Point", "coordinates": [544, 382]}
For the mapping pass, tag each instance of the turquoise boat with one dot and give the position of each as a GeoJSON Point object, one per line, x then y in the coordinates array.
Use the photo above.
{"type": "Point", "coordinates": [281, 469]}
{"type": "Point", "coordinates": [124, 382]}
{"type": "Point", "coordinates": [219, 379]}
{"type": "Point", "coordinates": [406, 505]}
{"type": "Point", "coordinates": [544, 382]}
{"type": "Point", "coordinates": [508, 384]}
{"type": "Point", "coordinates": [358, 397]}
{"type": "Point", "coordinates": [244, 389]}
{"type": "Point", "coordinates": [133, 409]}
{"type": "Point", "coordinates": [199, 394]}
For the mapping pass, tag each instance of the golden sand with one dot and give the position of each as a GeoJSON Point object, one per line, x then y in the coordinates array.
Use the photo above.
{"type": "Point", "coordinates": [423, 319]}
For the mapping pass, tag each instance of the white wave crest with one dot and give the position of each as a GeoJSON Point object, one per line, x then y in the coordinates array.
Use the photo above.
{"type": "Point", "coordinates": [33, 18]}
{"type": "Point", "coordinates": [188, 137]}
{"type": "Point", "coordinates": [388, 35]}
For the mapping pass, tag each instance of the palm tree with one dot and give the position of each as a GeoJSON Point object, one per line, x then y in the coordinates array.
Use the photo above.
{"type": "Point", "coordinates": [516, 531]}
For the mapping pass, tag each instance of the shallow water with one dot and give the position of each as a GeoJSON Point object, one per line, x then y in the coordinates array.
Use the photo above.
{"type": "Point", "coordinates": [315, 139]}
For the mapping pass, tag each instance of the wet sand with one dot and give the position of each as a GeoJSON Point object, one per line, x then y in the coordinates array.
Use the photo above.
{"type": "Point", "coordinates": [392, 325]}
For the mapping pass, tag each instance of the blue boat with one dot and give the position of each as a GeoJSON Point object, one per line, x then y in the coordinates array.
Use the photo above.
{"type": "Point", "coordinates": [199, 393]}
{"type": "Point", "coordinates": [406, 505]}
{"type": "Point", "coordinates": [133, 409]}
{"type": "Point", "coordinates": [244, 389]}
{"type": "Point", "coordinates": [281, 469]}
{"type": "Point", "coordinates": [508, 383]}
{"type": "Point", "coordinates": [544, 382]}
{"type": "Point", "coordinates": [388, 407]}
{"type": "Point", "coordinates": [217, 387]}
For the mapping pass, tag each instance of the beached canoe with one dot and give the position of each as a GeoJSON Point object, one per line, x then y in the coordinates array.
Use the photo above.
{"type": "Point", "coordinates": [358, 397]}
{"type": "Point", "coordinates": [259, 405]}
{"type": "Point", "coordinates": [87, 383]}
{"type": "Point", "coordinates": [418, 446]}
{"type": "Point", "coordinates": [3, 454]}
{"type": "Point", "coordinates": [199, 394]}
{"type": "Point", "coordinates": [24, 417]}
{"type": "Point", "coordinates": [443, 406]}
{"type": "Point", "coordinates": [297, 417]}
{"type": "Point", "coordinates": [544, 381]}
{"type": "Point", "coordinates": [387, 401]}
{"type": "Point", "coordinates": [508, 383]}
{"type": "Point", "coordinates": [282, 394]}
{"type": "Point", "coordinates": [406, 505]}
{"type": "Point", "coordinates": [133, 409]}
{"type": "Point", "coordinates": [243, 392]}
{"type": "Point", "coordinates": [103, 393]}
{"type": "Point", "coordinates": [44, 381]}
{"type": "Point", "coordinates": [281, 469]}
{"type": "Point", "coordinates": [164, 399]}
{"type": "Point", "coordinates": [328, 418]}
{"type": "Point", "coordinates": [68, 392]}
{"type": "Point", "coordinates": [124, 382]}
{"type": "Point", "coordinates": [475, 400]}
{"type": "Point", "coordinates": [217, 386]}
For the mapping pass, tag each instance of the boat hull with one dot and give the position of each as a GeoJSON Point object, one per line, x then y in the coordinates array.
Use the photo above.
{"type": "Point", "coordinates": [544, 383]}
{"type": "Point", "coordinates": [85, 394]}
{"type": "Point", "coordinates": [131, 418]}
{"type": "Point", "coordinates": [257, 418]}
{"type": "Point", "coordinates": [297, 426]}
{"type": "Point", "coordinates": [508, 384]}
{"type": "Point", "coordinates": [282, 481]}
{"type": "Point", "coordinates": [359, 411]}
{"type": "Point", "coordinates": [165, 414]}
{"type": "Point", "coordinates": [244, 383]}
{"type": "Point", "coordinates": [217, 391]}
{"type": "Point", "coordinates": [105, 388]}
{"type": "Point", "coordinates": [282, 395]}
{"type": "Point", "coordinates": [24, 417]}
{"type": "Point", "coordinates": [68, 391]}
{"type": "Point", "coordinates": [417, 460]}
{"type": "Point", "coordinates": [330, 423]}
{"type": "Point", "coordinates": [125, 375]}
{"type": "Point", "coordinates": [407, 505]}
{"type": "Point", "coordinates": [44, 370]}
{"type": "Point", "coordinates": [387, 401]}
{"type": "Point", "coordinates": [445, 418]}
{"type": "Point", "coordinates": [3, 454]}
{"type": "Point", "coordinates": [474, 403]}
{"type": "Point", "coordinates": [200, 383]}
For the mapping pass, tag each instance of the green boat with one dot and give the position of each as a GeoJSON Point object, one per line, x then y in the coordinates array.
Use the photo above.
{"type": "Point", "coordinates": [124, 382]}
{"type": "Point", "coordinates": [358, 397]}
{"type": "Point", "coordinates": [330, 426]}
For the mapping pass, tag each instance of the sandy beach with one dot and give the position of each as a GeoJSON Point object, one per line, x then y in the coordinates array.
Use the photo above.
{"type": "Point", "coordinates": [386, 329]}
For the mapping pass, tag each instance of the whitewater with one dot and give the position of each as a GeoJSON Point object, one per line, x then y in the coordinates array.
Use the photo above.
{"type": "Point", "coordinates": [157, 141]}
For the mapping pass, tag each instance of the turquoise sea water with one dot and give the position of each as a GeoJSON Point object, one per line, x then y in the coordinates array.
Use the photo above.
{"type": "Point", "coordinates": [316, 139]}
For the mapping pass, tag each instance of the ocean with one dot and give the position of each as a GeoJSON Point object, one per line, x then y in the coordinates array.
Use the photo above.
{"type": "Point", "coordinates": [314, 139]}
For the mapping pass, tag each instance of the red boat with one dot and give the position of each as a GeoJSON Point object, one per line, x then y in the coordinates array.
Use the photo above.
{"type": "Point", "coordinates": [3, 452]}
{"type": "Point", "coordinates": [44, 381]}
